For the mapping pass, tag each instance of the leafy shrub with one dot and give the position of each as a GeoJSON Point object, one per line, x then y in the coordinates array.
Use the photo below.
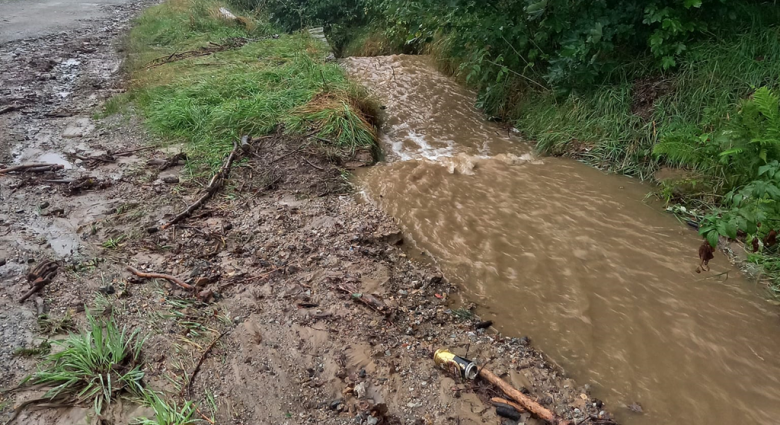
{"type": "Point", "coordinates": [753, 149]}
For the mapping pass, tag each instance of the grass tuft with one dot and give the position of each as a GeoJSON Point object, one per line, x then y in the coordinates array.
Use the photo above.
{"type": "Point", "coordinates": [167, 413]}
{"type": "Point", "coordinates": [92, 367]}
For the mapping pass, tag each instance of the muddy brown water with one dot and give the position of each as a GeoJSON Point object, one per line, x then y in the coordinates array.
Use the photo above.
{"type": "Point", "coordinates": [601, 279]}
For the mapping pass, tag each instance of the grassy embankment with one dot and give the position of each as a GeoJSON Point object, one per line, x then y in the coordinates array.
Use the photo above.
{"type": "Point", "coordinates": [263, 85]}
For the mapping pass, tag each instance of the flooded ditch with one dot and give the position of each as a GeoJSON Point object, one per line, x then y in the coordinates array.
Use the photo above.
{"type": "Point", "coordinates": [599, 278]}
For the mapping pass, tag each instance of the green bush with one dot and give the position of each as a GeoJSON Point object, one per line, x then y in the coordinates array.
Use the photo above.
{"type": "Point", "coordinates": [751, 148]}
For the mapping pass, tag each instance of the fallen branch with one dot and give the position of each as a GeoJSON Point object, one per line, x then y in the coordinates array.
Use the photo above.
{"type": "Point", "coordinates": [173, 279]}
{"type": "Point", "coordinates": [200, 362]}
{"type": "Point", "coordinates": [217, 181]}
{"type": "Point", "coordinates": [523, 400]}
{"type": "Point", "coordinates": [230, 43]}
{"type": "Point", "coordinates": [32, 168]}
{"type": "Point", "coordinates": [315, 166]}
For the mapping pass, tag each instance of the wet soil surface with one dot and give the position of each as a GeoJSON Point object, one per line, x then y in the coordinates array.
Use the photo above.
{"type": "Point", "coordinates": [285, 248]}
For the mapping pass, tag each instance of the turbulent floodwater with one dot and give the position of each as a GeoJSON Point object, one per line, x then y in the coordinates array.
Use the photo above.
{"type": "Point", "coordinates": [602, 281]}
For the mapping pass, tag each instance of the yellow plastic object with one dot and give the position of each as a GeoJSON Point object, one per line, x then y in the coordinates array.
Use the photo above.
{"type": "Point", "coordinates": [467, 368]}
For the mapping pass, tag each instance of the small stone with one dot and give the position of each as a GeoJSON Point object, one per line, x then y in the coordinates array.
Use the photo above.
{"type": "Point", "coordinates": [360, 390]}
{"type": "Point", "coordinates": [372, 420]}
{"type": "Point", "coordinates": [44, 205]}
{"type": "Point", "coordinates": [170, 179]}
{"type": "Point", "coordinates": [335, 404]}
{"type": "Point", "coordinates": [152, 229]}
{"type": "Point", "coordinates": [107, 290]}
{"type": "Point", "coordinates": [2, 262]}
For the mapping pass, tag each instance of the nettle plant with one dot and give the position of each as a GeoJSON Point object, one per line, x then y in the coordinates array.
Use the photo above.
{"type": "Point", "coordinates": [752, 209]}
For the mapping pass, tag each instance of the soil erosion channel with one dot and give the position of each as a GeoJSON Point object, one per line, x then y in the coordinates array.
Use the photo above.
{"type": "Point", "coordinates": [573, 258]}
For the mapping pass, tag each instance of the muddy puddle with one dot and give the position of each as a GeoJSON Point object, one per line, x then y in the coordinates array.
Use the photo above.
{"type": "Point", "coordinates": [599, 278]}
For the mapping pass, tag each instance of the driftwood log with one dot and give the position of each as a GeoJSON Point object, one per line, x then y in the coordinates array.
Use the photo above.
{"type": "Point", "coordinates": [523, 400]}
{"type": "Point", "coordinates": [216, 183]}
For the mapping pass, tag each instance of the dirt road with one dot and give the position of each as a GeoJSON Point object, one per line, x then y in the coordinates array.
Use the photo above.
{"type": "Point", "coordinates": [21, 19]}
{"type": "Point", "coordinates": [288, 251]}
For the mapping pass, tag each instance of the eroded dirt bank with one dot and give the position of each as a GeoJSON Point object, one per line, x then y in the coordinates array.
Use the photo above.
{"type": "Point", "coordinates": [284, 247]}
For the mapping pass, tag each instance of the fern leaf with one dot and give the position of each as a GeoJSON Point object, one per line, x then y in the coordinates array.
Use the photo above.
{"type": "Point", "coordinates": [682, 153]}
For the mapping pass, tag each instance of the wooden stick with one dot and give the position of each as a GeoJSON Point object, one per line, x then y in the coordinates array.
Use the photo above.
{"type": "Point", "coordinates": [508, 402]}
{"type": "Point", "coordinates": [173, 279]}
{"type": "Point", "coordinates": [203, 295]}
{"type": "Point", "coordinates": [200, 362]}
{"type": "Point", "coordinates": [531, 406]}
{"type": "Point", "coordinates": [214, 185]}
{"type": "Point", "coordinates": [131, 151]}
{"type": "Point", "coordinates": [32, 167]}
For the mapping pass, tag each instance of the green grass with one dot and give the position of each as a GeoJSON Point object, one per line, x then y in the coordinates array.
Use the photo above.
{"type": "Point", "coordinates": [167, 413]}
{"type": "Point", "coordinates": [601, 128]}
{"type": "Point", "coordinates": [114, 243]}
{"type": "Point", "coordinates": [92, 367]}
{"type": "Point", "coordinates": [267, 85]}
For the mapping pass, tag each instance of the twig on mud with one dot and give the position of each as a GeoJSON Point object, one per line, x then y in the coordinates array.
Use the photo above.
{"type": "Point", "coordinates": [204, 295]}
{"type": "Point", "coordinates": [32, 168]}
{"type": "Point", "coordinates": [200, 362]}
{"type": "Point", "coordinates": [303, 145]}
{"type": "Point", "coordinates": [10, 108]}
{"type": "Point", "coordinates": [289, 153]}
{"type": "Point", "coordinates": [206, 418]}
{"type": "Point", "coordinates": [315, 166]}
{"type": "Point", "coordinates": [216, 183]}
{"type": "Point", "coordinates": [262, 276]}
{"type": "Point", "coordinates": [132, 151]}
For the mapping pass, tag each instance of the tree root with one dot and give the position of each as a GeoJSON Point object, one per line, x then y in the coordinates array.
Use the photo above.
{"type": "Point", "coordinates": [39, 277]}
{"type": "Point", "coordinates": [203, 296]}
{"type": "Point", "coordinates": [215, 184]}
{"type": "Point", "coordinates": [200, 362]}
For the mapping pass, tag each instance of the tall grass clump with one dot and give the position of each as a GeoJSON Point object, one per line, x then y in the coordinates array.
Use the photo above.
{"type": "Point", "coordinates": [92, 367]}
{"type": "Point", "coordinates": [269, 84]}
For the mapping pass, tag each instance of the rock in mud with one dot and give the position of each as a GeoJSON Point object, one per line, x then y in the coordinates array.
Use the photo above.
{"type": "Point", "coordinates": [360, 390]}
